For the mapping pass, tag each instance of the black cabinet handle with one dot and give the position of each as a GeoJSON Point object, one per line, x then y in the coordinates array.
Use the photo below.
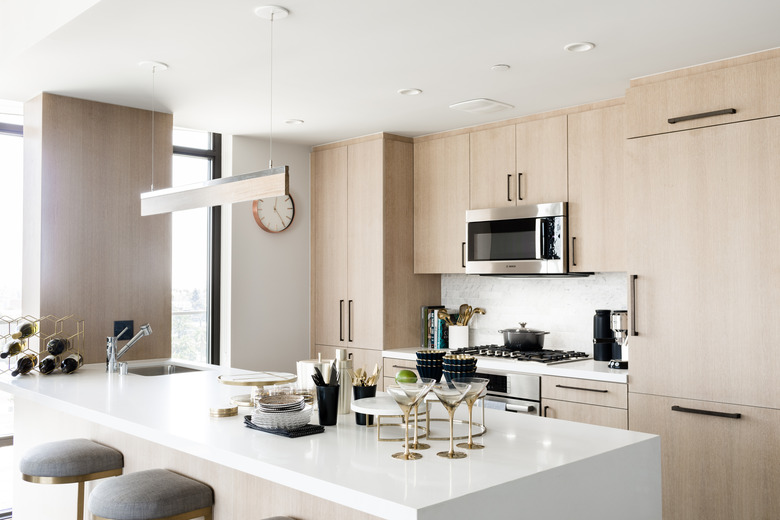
{"type": "Point", "coordinates": [508, 188]}
{"type": "Point", "coordinates": [519, 178]}
{"type": "Point", "coordinates": [341, 320]}
{"type": "Point", "coordinates": [723, 112]}
{"type": "Point", "coordinates": [349, 317]}
{"type": "Point", "coordinates": [573, 258]}
{"type": "Point", "coordinates": [581, 388]}
{"type": "Point", "coordinates": [676, 408]}
{"type": "Point", "coordinates": [463, 254]}
{"type": "Point", "coordinates": [633, 305]}
{"type": "Point", "coordinates": [544, 411]}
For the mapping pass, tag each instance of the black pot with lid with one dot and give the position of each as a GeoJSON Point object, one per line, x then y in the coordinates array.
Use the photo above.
{"type": "Point", "coordinates": [523, 338]}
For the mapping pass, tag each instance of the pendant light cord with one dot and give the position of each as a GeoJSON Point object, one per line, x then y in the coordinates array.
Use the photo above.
{"type": "Point", "coordinates": [271, 104]}
{"type": "Point", "coordinates": [153, 98]}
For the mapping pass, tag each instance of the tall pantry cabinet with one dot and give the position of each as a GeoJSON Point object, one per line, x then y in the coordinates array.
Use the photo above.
{"type": "Point", "coordinates": [704, 265]}
{"type": "Point", "coordinates": [365, 295]}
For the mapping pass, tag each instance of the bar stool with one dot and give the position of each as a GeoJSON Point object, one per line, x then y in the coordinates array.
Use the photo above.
{"type": "Point", "coordinates": [69, 461]}
{"type": "Point", "coordinates": [157, 494]}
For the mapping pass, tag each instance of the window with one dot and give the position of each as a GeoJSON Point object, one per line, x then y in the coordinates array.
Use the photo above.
{"type": "Point", "coordinates": [196, 253]}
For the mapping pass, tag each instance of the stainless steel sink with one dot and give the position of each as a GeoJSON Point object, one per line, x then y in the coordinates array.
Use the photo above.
{"type": "Point", "coordinates": [162, 369]}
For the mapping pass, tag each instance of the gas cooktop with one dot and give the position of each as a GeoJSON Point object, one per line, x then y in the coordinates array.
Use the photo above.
{"type": "Point", "coordinates": [548, 357]}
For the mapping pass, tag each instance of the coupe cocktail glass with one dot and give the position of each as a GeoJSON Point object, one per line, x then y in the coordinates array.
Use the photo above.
{"type": "Point", "coordinates": [450, 395]}
{"type": "Point", "coordinates": [478, 385]}
{"type": "Point", "coordinates": [407, 395]}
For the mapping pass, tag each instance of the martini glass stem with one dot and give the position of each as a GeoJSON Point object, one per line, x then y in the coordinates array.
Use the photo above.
{"type": "Point", "coordinates": [406, 433]}
{"type": "Point", "coordinates": [470, 438]}
{"type": "Point", "coordinates": [415, 425]}
{"type": "Point", "coordinates": [452, 433]}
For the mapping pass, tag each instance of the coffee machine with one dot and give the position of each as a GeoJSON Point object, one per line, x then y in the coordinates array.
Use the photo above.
{"type": "Point", "coordinates": [619, 325]}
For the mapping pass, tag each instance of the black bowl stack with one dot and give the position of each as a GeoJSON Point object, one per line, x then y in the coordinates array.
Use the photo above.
{"type": "Point", "coordinates": [429, 363]}
{"type": "Point", "coordinates": [458, 365]}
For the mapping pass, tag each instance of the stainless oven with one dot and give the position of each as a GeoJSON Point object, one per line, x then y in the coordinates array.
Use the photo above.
{"type": "Point", "coordinates": [521, 240]}
{"type": "Point", "coordinates": [509, 392]}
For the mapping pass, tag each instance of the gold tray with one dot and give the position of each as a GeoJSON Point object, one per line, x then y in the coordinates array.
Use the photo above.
{"type": "Point", "coordinates": [258, 379]}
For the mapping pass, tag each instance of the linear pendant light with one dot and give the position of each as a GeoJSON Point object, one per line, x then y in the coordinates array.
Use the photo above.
{"type": "Point", "coordinates": [273, 182]}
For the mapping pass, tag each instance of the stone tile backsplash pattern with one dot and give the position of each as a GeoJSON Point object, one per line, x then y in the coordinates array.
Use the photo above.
{"type": "Point", "coordinates": [563, 306]}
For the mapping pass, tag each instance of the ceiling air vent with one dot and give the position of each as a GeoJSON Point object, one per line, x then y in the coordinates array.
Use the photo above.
{"type": "Point", "coordinates": [481, 106]}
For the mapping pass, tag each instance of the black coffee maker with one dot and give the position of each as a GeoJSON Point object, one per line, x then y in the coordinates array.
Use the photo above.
{"type": "Point", "coordinates": [604, 343]}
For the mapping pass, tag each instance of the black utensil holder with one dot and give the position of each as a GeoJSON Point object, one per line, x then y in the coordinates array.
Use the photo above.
{"type": "Point", "coordinates": [361, 392]}
{"type": "Point", "coordinates": [328, 404]}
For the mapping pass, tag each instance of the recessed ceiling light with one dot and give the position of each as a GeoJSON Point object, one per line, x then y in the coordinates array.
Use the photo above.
{"type": "Point", "coordinates": [500, 67]}
{"type": "Point", "coordinates": [410, 91]}
{"type": "Point", "coordinates": [580, 47]}
{"type": "Point", "coordinates": [294, 121]}
{"type": "Point", "coordinates": [481, 106]}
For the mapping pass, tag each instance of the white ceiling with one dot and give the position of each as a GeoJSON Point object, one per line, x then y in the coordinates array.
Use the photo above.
{"type": "Point", "coordinates": [339, 63]}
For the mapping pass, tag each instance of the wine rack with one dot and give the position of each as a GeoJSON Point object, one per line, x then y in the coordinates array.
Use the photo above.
{"type": "Point", "coordinates": [49, 327]}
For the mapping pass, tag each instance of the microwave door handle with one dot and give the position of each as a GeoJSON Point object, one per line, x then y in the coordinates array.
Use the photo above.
{"type": "Point", "coordinates": [539, 238]}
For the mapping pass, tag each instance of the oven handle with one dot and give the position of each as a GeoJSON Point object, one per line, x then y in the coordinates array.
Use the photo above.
{"type": "Point", "coordinates": [519, 408]}
{"type": "Point", "coordinates": [538, 238]}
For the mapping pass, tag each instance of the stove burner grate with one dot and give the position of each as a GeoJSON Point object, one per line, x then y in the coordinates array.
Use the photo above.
{"type": "Point", "coordinates": [546, 356]}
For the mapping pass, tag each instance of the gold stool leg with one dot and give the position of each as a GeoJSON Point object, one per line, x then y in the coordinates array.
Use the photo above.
{"type": "Point", "coordinates": [80, 507]}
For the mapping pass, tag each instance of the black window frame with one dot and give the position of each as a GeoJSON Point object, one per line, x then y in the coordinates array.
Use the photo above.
{"type": "Point", "coordinates": [214, 155]}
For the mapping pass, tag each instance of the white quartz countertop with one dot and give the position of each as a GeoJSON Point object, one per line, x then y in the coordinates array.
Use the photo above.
{"type": "Point", "coordinates": [347, 464]}
{"type": "Point", "coordinates": [586, 369]}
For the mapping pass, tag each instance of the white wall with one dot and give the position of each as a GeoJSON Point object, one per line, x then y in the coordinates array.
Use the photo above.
{"type": "Point", "coordinates": [269, 277]}
{"type": "Point", "coordinates": [562, 306]}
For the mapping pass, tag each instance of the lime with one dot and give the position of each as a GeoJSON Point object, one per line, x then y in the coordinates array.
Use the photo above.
{"type": "Point", "coordinates": [405, 376]}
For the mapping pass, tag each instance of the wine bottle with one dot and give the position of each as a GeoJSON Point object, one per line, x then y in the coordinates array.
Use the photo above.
{"type": "Point", "coordinates": [12, 348]}
{"type": "Point", "coordinates": [71, 363]}
{"type": "Point", "coordinates": [24, 364]}
{"type": "Point", "coordinates": [26, 329]}
{"type": "Point", "coordinates": [57, 346]}
{"type": "Point", "coordinates": [48, 364]}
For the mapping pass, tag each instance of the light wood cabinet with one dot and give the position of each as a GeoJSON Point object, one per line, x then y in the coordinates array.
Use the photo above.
{"type": "Point", "coordinates": [392, 366]}
{"type": "Point", "coordinates": [441, 198]}
{"type": "Point", "coordinates": [703, 210]}
{"type": "Point", "coordinates": [711, 97]}
{"type": "Point", "coordinates": [519, 164]}
{"type": "Point", "coordinates": [365, 294]}
{"type": "Point", "coordinates": [597, 203]}
{"type": "Point", "coordinates": [718, 468]}
{"type": "Point", "coordinates": [361, 357]}
{"type": "Point", "coordinates": [582, 400]}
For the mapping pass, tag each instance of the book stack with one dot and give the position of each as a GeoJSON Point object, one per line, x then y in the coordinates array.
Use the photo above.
{"type": "Point", "coordinates": [433, 331]}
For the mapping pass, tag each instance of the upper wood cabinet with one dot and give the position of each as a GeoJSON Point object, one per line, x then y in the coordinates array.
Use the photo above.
{"type": "Point", "coordinates": [684, 100]}
{"type": "Point", "coordinates": [597, 207]}
{"type": "Point", "coordinates": [441, 198]}
{"type": "Point", "coordinates": [362, 246]}
{"type": "Point", "coordinates": [519, 164]}
{"type": "Point", "coordinates": [703, 210]}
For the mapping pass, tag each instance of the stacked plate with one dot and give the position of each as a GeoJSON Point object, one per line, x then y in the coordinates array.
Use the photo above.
{"type": "Point", "coordinates": [281, 412]}
{"type": "Point", "coordinates": [459, 365]}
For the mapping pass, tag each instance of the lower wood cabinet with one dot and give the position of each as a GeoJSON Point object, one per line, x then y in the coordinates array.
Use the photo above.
{"type": "Point", "coordinates": [714, 466]}
{"type": "Point", "coordinates": [586, 401]}
{"type": "Point", "coordinates": [361, 358]}
{"type": "Point", "coordinates": [392, 366]}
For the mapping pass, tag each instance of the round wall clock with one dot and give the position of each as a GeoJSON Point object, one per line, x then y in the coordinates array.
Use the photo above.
{"type": "Point", "coordinates": [274, 214]}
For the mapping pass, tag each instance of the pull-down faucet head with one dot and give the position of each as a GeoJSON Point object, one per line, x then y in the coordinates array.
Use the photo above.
{"type": "Point", "coordinates": [145, 331]}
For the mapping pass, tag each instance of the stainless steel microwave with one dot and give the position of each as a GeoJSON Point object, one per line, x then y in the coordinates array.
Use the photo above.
{"type": "Point", "coordinates": [519, 240]}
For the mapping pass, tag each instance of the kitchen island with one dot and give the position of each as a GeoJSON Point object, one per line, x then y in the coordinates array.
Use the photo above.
{"type": "Point", "coordinates": [531, 467]}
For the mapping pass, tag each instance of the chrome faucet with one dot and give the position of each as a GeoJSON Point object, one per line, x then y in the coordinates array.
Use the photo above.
{"type": "Point", "coordinates": [112, 356]}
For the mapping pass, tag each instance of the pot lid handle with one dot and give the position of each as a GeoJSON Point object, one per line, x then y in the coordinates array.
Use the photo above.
{"type": "Point", "coordinates": [523, 324]}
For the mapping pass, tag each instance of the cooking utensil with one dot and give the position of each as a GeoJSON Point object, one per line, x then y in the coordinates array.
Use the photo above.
{"type": "Point", "coordinates": [444, 315]}
{"type": "Point", "coordinates": [523, 338]}
{"type": "Point", "coordinates": [462, 313]}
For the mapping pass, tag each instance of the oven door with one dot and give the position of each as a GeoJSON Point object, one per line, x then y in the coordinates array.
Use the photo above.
{"type": "Point", "coordinates": [511, 404]}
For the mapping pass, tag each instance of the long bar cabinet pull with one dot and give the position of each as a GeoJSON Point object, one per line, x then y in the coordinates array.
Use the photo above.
{"type": "Point", "coordinates": [573, 258]}
{"type": "Point", "coordinates": [508, 187]}
{"type": "Point", "coordinates": [714, 113]}
{"type": "Point", "coordinates": [463, 255]}
{"type": "Point", "coordinates": [633, 305]}
{"type": "Point", "coordinates": [676, 408]}
{"type": "Point", "coordinates": [349, 317]}
{"type": "Point", "coordinates": [519, 178]}
{"type": "Point", "coordinates": [601, 391]}
{"type": "Point", "coordinates": [544, 411]}
{"type": "Point", "coordinates": [341, 320]}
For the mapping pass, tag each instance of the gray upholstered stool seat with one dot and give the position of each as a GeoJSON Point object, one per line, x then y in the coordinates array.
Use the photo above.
{"type": "Point", "coordinates": [151, 494]}
{"type": "Point", "coordinates": [68, 461]}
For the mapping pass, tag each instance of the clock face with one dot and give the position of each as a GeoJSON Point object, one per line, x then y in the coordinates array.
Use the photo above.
{"type": "Point", "coordinates": [274, 214]}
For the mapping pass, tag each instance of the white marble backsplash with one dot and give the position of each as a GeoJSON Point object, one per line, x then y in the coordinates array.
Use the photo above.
{"type": "Point", "coordinates": [562, 306]}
